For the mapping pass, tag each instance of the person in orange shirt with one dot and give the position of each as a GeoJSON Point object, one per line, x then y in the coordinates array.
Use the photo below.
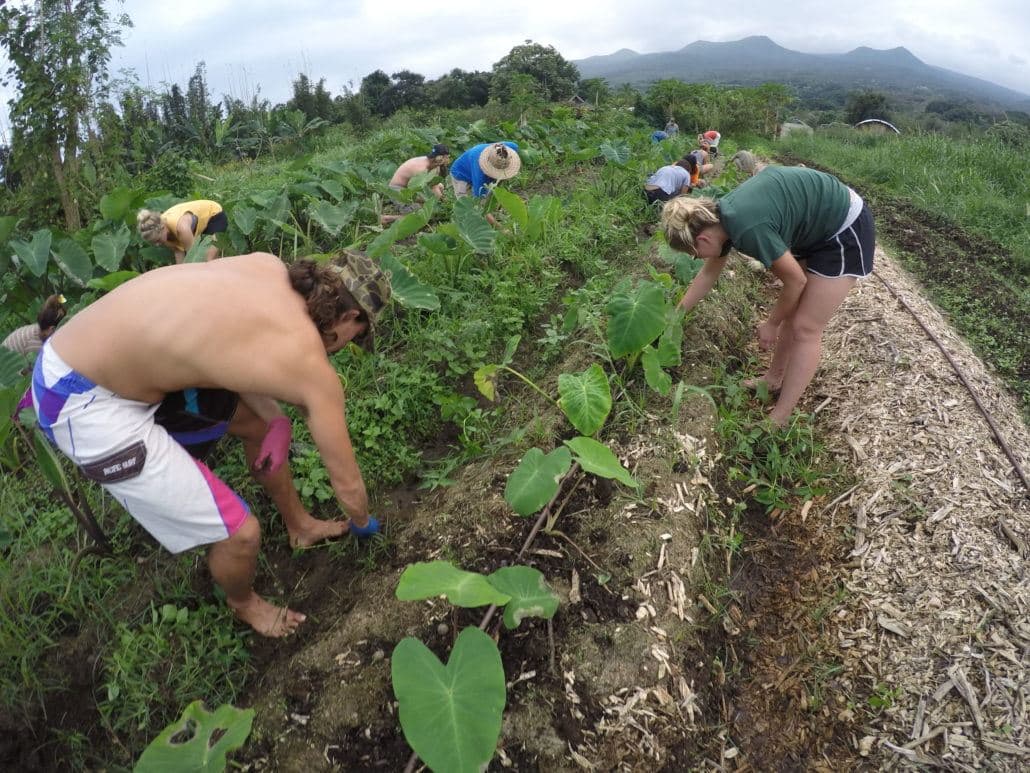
{"type": "Point", "coordinates": [180, 226]}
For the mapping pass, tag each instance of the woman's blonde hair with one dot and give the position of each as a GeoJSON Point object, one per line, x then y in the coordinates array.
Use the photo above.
{"type": "Point", "coordinates": [151, 226]}
{"type": "Point", "coordinates": [683, 218]}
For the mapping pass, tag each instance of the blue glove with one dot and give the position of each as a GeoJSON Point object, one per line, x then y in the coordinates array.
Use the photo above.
{"type": "Point", "coordinates": [364, 532]}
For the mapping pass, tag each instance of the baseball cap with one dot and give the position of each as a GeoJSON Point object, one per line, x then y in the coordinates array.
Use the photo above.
{"type": "Point", "coordinates": [370, 287]}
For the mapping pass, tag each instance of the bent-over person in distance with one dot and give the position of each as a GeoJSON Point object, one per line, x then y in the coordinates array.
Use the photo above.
{"type": "Point", "coordinates": [178, 227]}
{"type": "Point", "coordinates": [482, 165]}
{"type": "Point", "coordinates": [434, 161]}
{"type": "Point", "coordinates": [811, 230]}
{"type": "Point", "coordinates": [250, 325]}
{"type": "Point", "coordinates": [28, 339]}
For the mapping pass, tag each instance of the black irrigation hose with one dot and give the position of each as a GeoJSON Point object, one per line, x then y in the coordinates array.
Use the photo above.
{"type": "Point", "coordinates": [962, 377]}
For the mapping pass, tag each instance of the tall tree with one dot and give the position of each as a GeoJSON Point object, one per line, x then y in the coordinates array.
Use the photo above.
{"type": "Point", "coordinates": [866, 104]}
{"type": "Point", "coordinates": [59, 52]}
{"type": "Point", "coordinates": [556, 75]}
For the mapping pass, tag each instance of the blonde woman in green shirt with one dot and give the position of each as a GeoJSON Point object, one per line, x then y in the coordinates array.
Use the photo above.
{"type": "Point", "coordinates": [812, 231]}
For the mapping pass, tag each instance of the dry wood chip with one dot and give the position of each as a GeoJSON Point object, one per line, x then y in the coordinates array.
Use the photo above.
{"type": "Point", "coordinates": [574, 593]}
{"type": "Point", "coordinates": [893, 626]}
{"type": "Point", "coordinates": [1006, 748]}
{"type": "Point", "coordinates": [1017, 542]}
{"type": "Point", "coordinates": [965, 689]}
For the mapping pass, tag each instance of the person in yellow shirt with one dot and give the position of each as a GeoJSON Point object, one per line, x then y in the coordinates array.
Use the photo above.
{"type": "Point", "coordinates": [179, 226]}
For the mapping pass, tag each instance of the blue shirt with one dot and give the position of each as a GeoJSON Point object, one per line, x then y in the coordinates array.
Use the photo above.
{"type": "Point", "coordinates": [466, 168]}
{"type": "Point", "coordinates": [659, 135]}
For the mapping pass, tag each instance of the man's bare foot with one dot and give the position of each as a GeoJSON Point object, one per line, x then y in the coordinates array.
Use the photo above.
{"type": "Point", "coordinates": [267, 619]}
{"type": "Point", "coordinates": [314, 531]}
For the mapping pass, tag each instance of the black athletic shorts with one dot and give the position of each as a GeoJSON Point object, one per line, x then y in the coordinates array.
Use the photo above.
{"type": "Point", "coordinates": [197, 418]}
{"type": "Point", "coordinates": [656, 195]}
{"type": "Point", "coordinates": [849, 253]}
{"type": "Point", "coordinates": [217, 224]}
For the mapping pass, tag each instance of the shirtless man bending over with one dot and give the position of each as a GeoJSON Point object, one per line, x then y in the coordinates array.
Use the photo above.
{"type": "Point", "coordinates": [435, 161]}
{"type": "Point", "coordinates": [249, 324]}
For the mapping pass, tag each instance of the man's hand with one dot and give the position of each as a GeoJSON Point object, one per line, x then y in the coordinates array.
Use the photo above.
{"type": "Point", "coordinates": [275, 446]}
{"type": "Point", "coordinates": [366, 531]}
{"type": "Point", "coordinates": [767, 335]}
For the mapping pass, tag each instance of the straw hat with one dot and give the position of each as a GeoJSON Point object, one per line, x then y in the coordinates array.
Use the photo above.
{"type": "Point", "coordinates": [499, 162]}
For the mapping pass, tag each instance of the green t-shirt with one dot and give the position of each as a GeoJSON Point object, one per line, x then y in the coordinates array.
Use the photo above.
{"type": "Point", "coordinates": [784, 208]}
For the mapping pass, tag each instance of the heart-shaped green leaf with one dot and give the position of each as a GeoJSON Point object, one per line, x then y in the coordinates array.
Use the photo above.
{"type": "Point", "coordinates": [245, 218]}
{"type": "Point", "coordinates": [73, 261]}
{"type": "Point", "coordinates": [110, 281]}
{"type": "Point", "coordinates": [209, 737]}
{"type": "Point", "coordinates": [530, 594]}
{"type": "Point", "coordinates": [117, 204]}
{"type": "Point", "coordinates": [406, 289]}
{"type": "Point", "coordinates": [635, 318]}
{"type": "Point", "coordinates": [430, 579]}
{"type": "Point", "coordinates": [332, 217]}
{"type": "Point", "coordinates": [535, 481]}
{"type": "Point", "coordinates": [597, 459]}
{"type": "Point", "coordinates": [543, 211]}
{"type": "Point", "coordinates": [450, 715]}
{"type": "Point", "coordinates": [671, 342]}
{"type": "Point", "coordinates": [34, 254]}
{"type": "Point", "coordinates": [473, 226]}
{"type": "Point", "coordinates": [586, 398]}
{"type": "Point", "coordinates": [109, 248]}
{"type": "Point", "coordinates": [657, 379]}
{"type": "Point", "coordinates": [198, 252]}
{"type": "Point", "coordinates": [514, 205]}
{"type": "Point", "coordinates": [616, 152]}
{"type": "Point", "coordinates": [438, 244]}
{"type": "Point", "coordinates": [11, 366]}
{"type": "Point", "coordinates": [49, 464]}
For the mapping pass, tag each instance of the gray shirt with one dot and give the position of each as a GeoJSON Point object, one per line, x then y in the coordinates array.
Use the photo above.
{"type": "Point", "coordinates": [670, 179]}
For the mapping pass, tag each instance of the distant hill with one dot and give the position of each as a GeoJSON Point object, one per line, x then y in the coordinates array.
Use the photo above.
{"type": "Point", "coordinates": [755, 60]}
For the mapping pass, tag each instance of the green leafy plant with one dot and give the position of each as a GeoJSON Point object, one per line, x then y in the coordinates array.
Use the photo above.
{"type": "Point", "coordinates": [199, 740]}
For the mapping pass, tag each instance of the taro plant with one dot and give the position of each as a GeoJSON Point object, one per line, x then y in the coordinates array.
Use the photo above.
{"type": "Point", "coordinates": [199, 740]}
{"type": "Point", "coordinates": [451, 713]}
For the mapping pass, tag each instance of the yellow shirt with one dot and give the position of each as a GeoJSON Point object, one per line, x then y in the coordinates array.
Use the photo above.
{"type": "Point", "coordinates": [202, 209]}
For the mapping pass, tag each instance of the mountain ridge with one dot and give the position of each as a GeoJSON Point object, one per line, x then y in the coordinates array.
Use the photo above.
{"type": "Point", "coordinates": [758, 59]}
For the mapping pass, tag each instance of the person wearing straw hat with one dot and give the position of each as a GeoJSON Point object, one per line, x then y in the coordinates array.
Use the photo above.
{"type": "Point", "coordinates": [483, 165]}
{"type": "Point", "coordinates": [245, 326]}
{"type": "Point", "coordinates": [178, 227]}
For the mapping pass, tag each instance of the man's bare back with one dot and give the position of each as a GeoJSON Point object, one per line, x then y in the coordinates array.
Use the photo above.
{"type": "Point", "coordinates": [410, 168]}
{"type": "Point", "coordinates": [235, 323]}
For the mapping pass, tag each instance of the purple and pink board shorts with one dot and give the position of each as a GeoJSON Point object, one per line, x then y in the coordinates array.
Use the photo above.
{"type": "Point", "coordinates": [117, 443]}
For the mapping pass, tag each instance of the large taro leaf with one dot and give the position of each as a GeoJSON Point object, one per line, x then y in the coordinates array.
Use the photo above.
{"type": "Point", "coordinates": [597, 459]}
{"type": "Point", "coordinates": [450, 715]}
{"type": "Point", "coordinates": [514, 205]}
{"type": "Point", "coordinates": [11, 366]}
{"type": "Point", "coordinates": [586, 398]}
{"type": "Point", "coordinates": [49, 464]}
{"type": "Point", "coordinates": [635, 318]}
{"type": "Point", "coordinates": [430, 579]}
{"type": "Point", "coordinates": [401, 229]}
{"type": "Point", "coordinates": [198, 741]}
{"type": "Point", "coordinates": [657, 379]}
{"type": "Point", "coordinates": [74, 261]}
{"type": "Point", "coordinates": [406, 289]}
{"type": "Point", "coordinates": [535, 481]}
{"type": "Point", "coordinates": [108, 282]}
{"type": "Point", "coordinates": [117, 204]}
{"type": "Point", "coordinates": [685, 267]}
{"type": "Point", "coordinates": [438, 243]}
{"type": "Point", "coordinates": [530, 594]}
{"type": "Point", "coordinates": [543, 210]}
{"type": "Point", "coordinates": [670, 344]}
{"type": "Point", "coordinates": [245, 218]}
{"type": "Point", "coordinates": [198, 252]}
{"type": "Point", "coordinates": [616, 152]}
{"type": "Point", "coordinates": [333, 217]}
{"type": "Point", "coordinates": [109, 248]}
{"type": "Point", "coordinates": [34, 254]}
{"type": "Point", "coordinates": [473, 226]}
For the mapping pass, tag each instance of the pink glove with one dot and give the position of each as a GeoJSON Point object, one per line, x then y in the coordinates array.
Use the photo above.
{"type": "Point", "coordinates": [275, 446]}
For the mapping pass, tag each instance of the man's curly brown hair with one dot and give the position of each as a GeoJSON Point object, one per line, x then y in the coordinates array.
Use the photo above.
{"type": "Point", "coordinates": [326, 295]}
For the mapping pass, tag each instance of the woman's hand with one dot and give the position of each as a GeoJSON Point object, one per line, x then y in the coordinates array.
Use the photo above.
{"type": "Point", "coordinates": [767, 334]}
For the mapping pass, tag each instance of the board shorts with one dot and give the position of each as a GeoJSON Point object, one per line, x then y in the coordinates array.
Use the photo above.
{"type": "Point", "coordinates": [118, 443]}
{"type": "Point", "coordinates": [460, 187]}
{"type": "Point", "coordinates": [404, 207]}
{"type": "Point", "coordinates": [656, 195]}
{"type": "Point", "coordinates": [848, 253]}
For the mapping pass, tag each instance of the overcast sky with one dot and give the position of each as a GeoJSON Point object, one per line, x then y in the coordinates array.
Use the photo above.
{"type": "Point", "coordinates": [263, 45]}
